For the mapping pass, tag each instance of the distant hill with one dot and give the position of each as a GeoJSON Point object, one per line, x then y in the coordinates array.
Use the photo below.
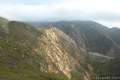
{"type": "Point", "coordinates": [90, 35]}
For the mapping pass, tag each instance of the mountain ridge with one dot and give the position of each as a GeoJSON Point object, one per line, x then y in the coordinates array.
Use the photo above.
{"type": "Point", "coordinates": [75, 50]}
{"type": "Point", "coordinates": [89, 34]}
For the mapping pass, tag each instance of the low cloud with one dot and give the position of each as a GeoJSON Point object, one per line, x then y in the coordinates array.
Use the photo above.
{"type": "Point", "coordinates": [97, 10]}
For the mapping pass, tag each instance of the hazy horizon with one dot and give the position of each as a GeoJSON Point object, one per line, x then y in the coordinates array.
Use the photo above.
{"type": "Point", "coordinates": [105, 12]}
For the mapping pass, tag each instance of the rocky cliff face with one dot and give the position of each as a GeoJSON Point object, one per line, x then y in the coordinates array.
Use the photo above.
{"type": "Point", "coordinates": [61, 54]}
{"type": "Point", "coordinates": [55, 48]}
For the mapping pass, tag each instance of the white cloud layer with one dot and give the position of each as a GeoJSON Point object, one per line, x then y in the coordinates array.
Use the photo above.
{"type": "Point", "coordinates": [104, 11]}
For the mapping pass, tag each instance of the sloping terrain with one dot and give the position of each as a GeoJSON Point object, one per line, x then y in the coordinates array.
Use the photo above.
{"type": "Point", "coordinates": [101, 43]}
{"type": "Point", "coordinates": [115, 32]}
{"type": "Point", "coordinates": [27, 53]}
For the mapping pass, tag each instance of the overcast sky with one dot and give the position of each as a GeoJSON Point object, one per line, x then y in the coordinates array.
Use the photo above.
{"type": "Point", "coordinates": [106, 12]}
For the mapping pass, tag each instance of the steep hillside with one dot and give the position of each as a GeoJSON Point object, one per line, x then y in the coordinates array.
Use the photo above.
{"type": "Point", "coordinates": [40, 54]}
{"type": "Point", "coordinates": [115, 32]}
{"type": "Point", "coordinates": [62, 53]}
{"type": "Point", "coordinates": [3, 26]}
